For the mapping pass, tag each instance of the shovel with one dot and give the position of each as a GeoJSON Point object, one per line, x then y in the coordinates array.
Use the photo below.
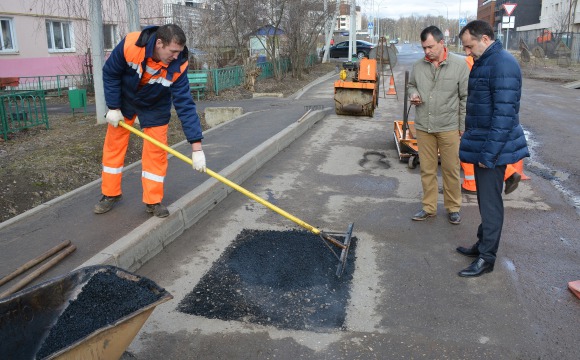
{"type": "Point", "coordinates": [326, 237]}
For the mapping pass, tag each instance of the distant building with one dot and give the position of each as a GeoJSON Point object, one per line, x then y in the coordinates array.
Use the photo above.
{"type": "Point", "coordinates": [486, 11]}
{"type": "Point", "coordinates": [526, 12]}
{"type": "Point", "coordinates": [46, 38]}
{"type": "Point", "coordinates": [343, 20]}
{"type": "Point", "coordinates": [556, 15]}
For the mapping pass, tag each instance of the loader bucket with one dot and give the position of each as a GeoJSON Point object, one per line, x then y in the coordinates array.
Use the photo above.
{"type": "Point", "coordinates": [52, 320]}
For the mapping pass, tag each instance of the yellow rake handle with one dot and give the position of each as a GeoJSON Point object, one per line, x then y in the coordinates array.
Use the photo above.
{"type": "Point", "coordinates": [231, 184]}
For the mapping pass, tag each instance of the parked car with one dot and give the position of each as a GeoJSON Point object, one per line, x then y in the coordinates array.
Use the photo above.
{"type": "Point", "coordinates": [395, 41]}
{"type": "Point", "coordinates": [340, 50]}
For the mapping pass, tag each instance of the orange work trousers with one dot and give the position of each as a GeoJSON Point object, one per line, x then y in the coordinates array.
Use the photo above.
{"type": "Point", "coordinates": [469, 175]}
{"type": "Point", "coordinates": [154, 162]}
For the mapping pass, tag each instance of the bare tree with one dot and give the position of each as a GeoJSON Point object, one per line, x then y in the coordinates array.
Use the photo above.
{"type": "Point", "coordinates": [303, 26]}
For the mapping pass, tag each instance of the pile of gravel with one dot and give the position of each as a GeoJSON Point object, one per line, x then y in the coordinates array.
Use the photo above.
{"type": "Point", "coordinates": [280, 278]}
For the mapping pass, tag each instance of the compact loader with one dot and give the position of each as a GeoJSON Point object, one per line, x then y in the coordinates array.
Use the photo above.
{"type": "Point", "coordinates": [357, 95]}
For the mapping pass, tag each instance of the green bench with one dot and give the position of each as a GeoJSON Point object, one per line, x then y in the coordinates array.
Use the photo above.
{"type": "Point", "coordinates": [197, 82]}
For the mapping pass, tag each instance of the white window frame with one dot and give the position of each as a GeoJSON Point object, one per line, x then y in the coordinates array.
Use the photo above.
{"type": "Point", "coordinates": [14, 48]}
{"type": "Point", "coordinates": [50, 28]}
{"type": "Point", "coordinates": [112, 34]}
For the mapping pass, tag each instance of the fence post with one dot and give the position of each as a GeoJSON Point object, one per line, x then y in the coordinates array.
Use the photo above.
{"type": "Point", "coordinates": [214, 74]}
{"type": "Point", "coordinates": [58, 85]}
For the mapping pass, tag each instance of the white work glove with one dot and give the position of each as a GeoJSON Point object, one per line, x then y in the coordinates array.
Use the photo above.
{"type": "Point", "coordinates": [114, 116]}
{"type": "Point", "coordinates": [198, 159]}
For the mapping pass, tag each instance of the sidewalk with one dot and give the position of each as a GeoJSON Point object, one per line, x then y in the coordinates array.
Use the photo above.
{"type": "Point", "coordinates": [128, 236]}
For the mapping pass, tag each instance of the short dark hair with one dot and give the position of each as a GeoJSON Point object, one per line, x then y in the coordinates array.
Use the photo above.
{"type": "Point", "coordinates": [478, 28]}
{"type": "Point", "coordinates": [171, 32]}
{"type": "Point", "coordinates": [434, 31]}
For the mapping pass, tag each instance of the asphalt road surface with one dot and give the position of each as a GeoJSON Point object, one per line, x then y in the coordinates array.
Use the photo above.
{"type": "Point", "coordinates": [405, 299]}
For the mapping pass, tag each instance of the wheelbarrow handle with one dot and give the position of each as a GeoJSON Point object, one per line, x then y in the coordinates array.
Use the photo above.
{"type": "Point", "coordinates": [232, 185]}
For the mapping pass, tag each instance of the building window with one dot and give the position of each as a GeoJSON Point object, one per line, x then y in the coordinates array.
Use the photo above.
{"type": "Point", "coordinates": [59, 36]}
{"type": "Point", "coordinates": [7, 38]}
{"type": "Point", "coordinates": [109, 36]}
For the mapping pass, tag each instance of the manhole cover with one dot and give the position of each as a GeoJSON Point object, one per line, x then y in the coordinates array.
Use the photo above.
{"type": "Point", "coordinates": [280, 278]}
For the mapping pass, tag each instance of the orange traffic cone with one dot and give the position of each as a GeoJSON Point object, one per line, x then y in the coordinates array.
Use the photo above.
{"type": "Point", "coordinates": [574, 286]}
{"type": "Point", "coordinates": [519, 166]}
{"type": "Point", "coordinates": [392, 90]}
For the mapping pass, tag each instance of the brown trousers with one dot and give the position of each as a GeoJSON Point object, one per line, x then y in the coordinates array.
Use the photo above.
{"type": "Point", "coordinates": [432, 146]}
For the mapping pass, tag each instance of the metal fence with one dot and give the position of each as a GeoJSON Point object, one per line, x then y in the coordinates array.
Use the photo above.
{"type": "Point", "coordinates": [22, 110]}
{"type": "Point", "coordinates": [24, 105]}
{"type": "Point", "coordinates": [226, 78]}
{"type": "Point", "coordinates": [550, 45]}
{"type": "Point", "coordinates": [267, 68]}
{"type": "Point", "coordinates": [233, 76]}
{"type": "Point", "coordinates": [55, 85]}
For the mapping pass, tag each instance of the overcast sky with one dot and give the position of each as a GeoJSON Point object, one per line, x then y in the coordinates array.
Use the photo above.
{"type": "Point", "coordinates": [403, 8]}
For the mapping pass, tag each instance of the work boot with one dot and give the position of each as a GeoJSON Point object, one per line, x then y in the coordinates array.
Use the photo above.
{"type": "Point", "coordinates": [512, 182]}
{"type": "Point", "coordinates": [158, 210]}
{"type": "Point", "coordinates": [106, 203]}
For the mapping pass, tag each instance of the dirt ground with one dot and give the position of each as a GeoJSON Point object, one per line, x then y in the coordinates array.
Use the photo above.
{"type": "Point", "coordinates": [37, 165]}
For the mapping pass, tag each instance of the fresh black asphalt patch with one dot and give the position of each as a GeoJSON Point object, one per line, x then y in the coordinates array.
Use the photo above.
{"type": "Point", "coordinates": [103, 300]}
{"type": "Point", "coordinates": [284, 279]}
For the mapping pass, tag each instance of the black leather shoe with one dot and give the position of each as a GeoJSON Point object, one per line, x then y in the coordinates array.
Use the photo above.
{"type": "Point", "coordinates": [422, 215]}
{"type": "Point", "coordinates": [477, 268]}
{"type": "Point", "coordinates": [471, 252]}
{"type": "Point", "coordinates": [512, 182]}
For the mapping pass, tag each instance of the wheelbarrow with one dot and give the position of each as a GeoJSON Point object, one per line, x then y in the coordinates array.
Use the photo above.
{"type": "Point", "coordinates": [90, 313]}
{"type": "Point", "coordinates": [405, 134]}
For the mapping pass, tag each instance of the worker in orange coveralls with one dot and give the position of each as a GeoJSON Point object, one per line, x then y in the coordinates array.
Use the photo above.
{"type": "Point", "coordinates": [144, 75]}
{"type": "Point", "coordinates": [511, 178]}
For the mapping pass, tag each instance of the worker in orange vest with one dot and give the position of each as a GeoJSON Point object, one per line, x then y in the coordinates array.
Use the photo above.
{"type": "Point", "coordinates": [143, 77]}
{"type": "Point", "coordinates": [511, 178]}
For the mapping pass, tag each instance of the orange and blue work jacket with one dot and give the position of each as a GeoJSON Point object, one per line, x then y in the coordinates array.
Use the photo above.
{"type": "Point", "coordinates": [135, 84]}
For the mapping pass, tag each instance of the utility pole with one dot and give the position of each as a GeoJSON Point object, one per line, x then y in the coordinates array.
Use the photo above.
{"type": "Point", "coordinates": [446, 7]}
{"type": "Point", "coordinates": [133, 15]}
{"type": "Point", "coordinates": [330, 29]}
{"type": "Point", "coordinates": [98, 58]}
{"type": "Point", "coordinates": [352, 32]}
{"type": "Point", "coordinates": [459, 28]}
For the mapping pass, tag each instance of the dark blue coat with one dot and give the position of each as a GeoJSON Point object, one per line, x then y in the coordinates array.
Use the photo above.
{"type": "Point", "coordinates": [493, 134]}
{"type": "Point", "coordinates": [152, 102]}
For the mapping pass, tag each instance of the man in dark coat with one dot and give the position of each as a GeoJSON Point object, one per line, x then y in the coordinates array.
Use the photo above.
{"type": "Point", "coordinates": [493, 136]}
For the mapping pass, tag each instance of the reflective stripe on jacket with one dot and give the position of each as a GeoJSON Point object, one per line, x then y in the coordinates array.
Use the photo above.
{"type": "Point", "coordinates": [122, 74]}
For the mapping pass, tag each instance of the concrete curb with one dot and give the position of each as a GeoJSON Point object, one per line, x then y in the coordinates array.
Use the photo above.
{"type": "Point", "coordinates": [134, 249]}
{"type": "Point", "coordinates": [301, 92]}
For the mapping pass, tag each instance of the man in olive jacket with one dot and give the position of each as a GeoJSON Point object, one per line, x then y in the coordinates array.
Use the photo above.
{"type": "Point", "coordinates": [438, 89]}
{"type": "Point", "coordinates": [493, 136]}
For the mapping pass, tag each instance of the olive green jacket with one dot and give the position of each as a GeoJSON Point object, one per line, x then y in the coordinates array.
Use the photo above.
{"type": "Point", "coordinates": [443, 92]}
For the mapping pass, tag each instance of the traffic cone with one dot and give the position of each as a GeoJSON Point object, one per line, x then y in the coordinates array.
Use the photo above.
{"type": "Point", "coordinates": [574, 286]}
{"type": "Point", "coordinates": [519, 166]}
{"type": "Point", "coordinates": [392, 90]}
